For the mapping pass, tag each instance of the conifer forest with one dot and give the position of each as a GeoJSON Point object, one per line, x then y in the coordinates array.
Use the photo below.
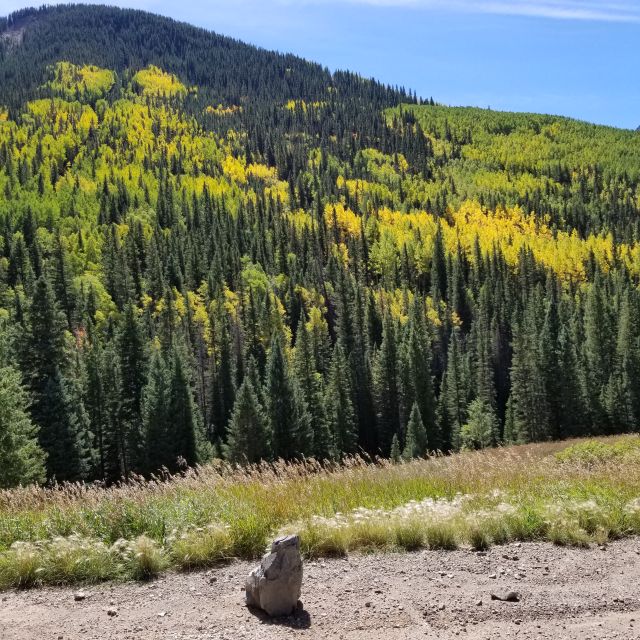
{"type": "Point", "coordinates": [209, 250]}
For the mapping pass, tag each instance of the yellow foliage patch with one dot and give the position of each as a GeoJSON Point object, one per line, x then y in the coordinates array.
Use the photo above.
{"type": "Point", "coordinates": [153, 81]}
{"type": "Point", "coordinates": [262, 172]}
{"type": "Point", "coordinates": [234, 169]}
{"type": "Point", "coordinates": [336, 215]}
{"type": "Point", "coordinates": [72, 80]}
{"type": "Point", "coordinates": [508, 229]}
{"type": "Point", "coordinates": [221, 110]}
{"type": "Point", "coordinates": [300, 219]}
{"type": "Point", "coordinates": [291, 105]}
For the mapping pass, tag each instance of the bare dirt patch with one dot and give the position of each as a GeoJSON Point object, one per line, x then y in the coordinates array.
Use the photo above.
{"type": "Point", "coordinates": [564, 593]}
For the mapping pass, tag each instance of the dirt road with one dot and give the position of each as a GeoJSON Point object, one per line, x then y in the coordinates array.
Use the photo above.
{"type": "Point", "coordinates": [564, 593]}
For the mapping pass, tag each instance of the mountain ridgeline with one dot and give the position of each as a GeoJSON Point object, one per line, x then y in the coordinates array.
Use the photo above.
{"type": "Point", "coordinates": [212, 250]}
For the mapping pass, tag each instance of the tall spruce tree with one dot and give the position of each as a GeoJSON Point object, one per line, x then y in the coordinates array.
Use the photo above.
{"type": "Point", "coordinates": [183, 422]}
{"type": "Point", "coordinates": [22, 461]}
{"type": "Point", "coordinates": [339, 404]}
{"type": "Point", "coordinates": [248, 433]}
{"type": "Point", "coordinates": [599, 351]}
{"type": "Point", "coordinates": [133, 375]}
{"type": "Point", "coordinates": [311, 388]}
{"type": "Point", "coordinates": [155, 411]}
{"type": "Point", "coordinates": [386, 388]}
{"type": "Point", "coordinates": [416, 442]}
{"type": "Point", "coordinates": [289, 420]}
{"type": "Point", "coordinates": [454, 395]}
{"type": "Point", "coordinates": [53, 408]}
{"type": "Point", "coordinates": [415, 373]}
{"type": "Point", "coordinates": [529, 408]}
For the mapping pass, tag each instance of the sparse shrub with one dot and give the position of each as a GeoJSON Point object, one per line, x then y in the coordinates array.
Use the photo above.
{"type": "Point", "coordinates": [568, 533]}
{"type": "Point", "coordinates": [145, 559]}
{"type": "Point", "coordinates": [318, 540]}
{"type": "Point", "coordinates": [441, 535]}
{"type": "Point", "coordinates": [371, 535]}
{"type": "Point", "coordinates": [20, 566]}
{"type": "Point", "coordinates": [249, 536]}
{"type": "Point", "coordinates": [409, 535]}
{"type": "Point", "coordinates": [479, 537]}
{"type": "Point", "coordinates": [202, 546]}
{"type": "Point", "coordinates": [77, 559]}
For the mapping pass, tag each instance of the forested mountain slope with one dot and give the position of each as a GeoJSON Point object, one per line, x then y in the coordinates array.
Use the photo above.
{"type": "Point", "coordinates": [207, 249]}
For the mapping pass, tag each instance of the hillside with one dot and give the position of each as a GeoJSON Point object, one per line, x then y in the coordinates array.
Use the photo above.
{"type": "Point", "coordinates": [208, 250]}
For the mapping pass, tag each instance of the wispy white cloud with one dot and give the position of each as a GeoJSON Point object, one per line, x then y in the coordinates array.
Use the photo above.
{"type": "Point", "coordinates": [594, 10]}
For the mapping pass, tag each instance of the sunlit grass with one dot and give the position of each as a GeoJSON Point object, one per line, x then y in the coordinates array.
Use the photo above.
{"type": "Point", "coordinates": [77, 533]}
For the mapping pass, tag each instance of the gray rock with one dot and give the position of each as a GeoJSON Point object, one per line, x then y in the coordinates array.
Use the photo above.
{"type": "Point", "coordinates": [274, 586]}
{"type": "Point", "coordinates": [508, 596]}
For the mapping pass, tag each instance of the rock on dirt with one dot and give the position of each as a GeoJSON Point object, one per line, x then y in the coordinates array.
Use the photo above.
{"type": "Point", "coordinates": [275, 584]}
{"type": "Point", "coordinates": [591, 597]}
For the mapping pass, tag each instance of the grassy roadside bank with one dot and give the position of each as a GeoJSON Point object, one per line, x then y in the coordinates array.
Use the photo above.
{"type": "Point", "coordinates": [568, 493]}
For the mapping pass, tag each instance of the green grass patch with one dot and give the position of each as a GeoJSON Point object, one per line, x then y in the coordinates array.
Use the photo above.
{"type": "Point", "coordinates": [572, 493]}
{"type": "Point", "coordinates": [593, 452]}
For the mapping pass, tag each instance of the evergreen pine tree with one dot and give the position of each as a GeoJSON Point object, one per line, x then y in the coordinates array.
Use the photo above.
{"type": "Point", "coordinates": [339, 404]}
{"type": "Point", "coordinates": [454, 395]}
{"type": "Point", "coordinates": [386, 391]}
{"type": "Point", "coordinates": [528, 395]}
{"type": "Point", "coordinates": [289, 420]}
{"type": "Point", "coordinates": [415, 373]}
{"type": "Point", "coordinates": [621, 394]}
{"type": "Point", "coordinates": [22, 461]}
{"type": "Point", "coordinates": [438, 268]}
{"type": "Point", "coordinates": [133, 375]}
{"type": "Point", "coordinates": [415, 445]}
{"type": "Point", "coordinates": [114, 437]}
{"type": "Point", "coordinates": [53, 409]}
{"type": "Point", "coordinates": [394, 452]}
{"type": "Point", "coordinates": [248, 434]}
{"type": "Point", "coordinates": [222, 383]}
{"type": "Point", "coordinates": [155, 412]}
{"type": "Point", "coordinates": [479, 430]}
{"type": "Point", "coordinates": [310, 382]}
{"type": "Point", "coordinates": [182, 419]}
{"type": "Point", "coordinates": [599, 351]}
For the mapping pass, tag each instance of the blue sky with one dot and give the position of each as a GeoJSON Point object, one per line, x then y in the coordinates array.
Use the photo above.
{"type": "Point", "coordinates": [579, 58]}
